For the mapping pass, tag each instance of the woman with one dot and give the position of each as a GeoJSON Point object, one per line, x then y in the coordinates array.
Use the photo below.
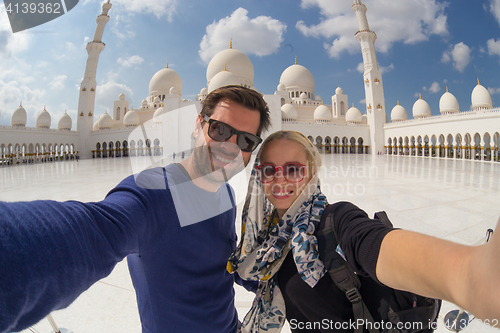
{"type": "Point", "coordinates": [278, 247]}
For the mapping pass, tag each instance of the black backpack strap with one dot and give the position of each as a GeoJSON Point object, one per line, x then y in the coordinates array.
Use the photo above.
{"type": "Point", "coordinates": [345, 279]}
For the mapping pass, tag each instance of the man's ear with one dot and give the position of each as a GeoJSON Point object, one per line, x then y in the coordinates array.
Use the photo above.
{"type": "Point", "coordinates": [198, 126]}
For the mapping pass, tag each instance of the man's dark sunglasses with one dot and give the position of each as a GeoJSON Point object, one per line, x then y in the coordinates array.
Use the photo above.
{"type": "Point", "coordinates": [219, 131]}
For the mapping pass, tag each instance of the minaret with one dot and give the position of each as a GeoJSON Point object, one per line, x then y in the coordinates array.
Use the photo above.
{"type": "Point", "coordinates": [86, 101]}
{"type": "Point", "coordinates": [374, 90]}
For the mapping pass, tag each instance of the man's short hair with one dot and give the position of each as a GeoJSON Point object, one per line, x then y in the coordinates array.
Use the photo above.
{"type": "Point", "coordinates": [246, 97]}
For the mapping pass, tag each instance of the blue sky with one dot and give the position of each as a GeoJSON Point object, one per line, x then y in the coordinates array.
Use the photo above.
{"type": "Point", "coordinates": [423, 46]}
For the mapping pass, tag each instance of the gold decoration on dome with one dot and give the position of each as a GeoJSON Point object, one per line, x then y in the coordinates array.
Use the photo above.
{"type": "Point", "coordinates": [478, 82]}
{"type": "Point", "coordinates": [295, 60]}
{"type": "Point", "coordinates": [231, 43]}
{"type": "Point", "coordinates": [419, 96]}
{"type": "Point", "coordinates": [446, 88]}
{"type": "Point", "coordinates": [225, 69]}
{"type": "Point", "coordinates": [167, 64]}
{"type": "Point", "coordinates": [398, 102]}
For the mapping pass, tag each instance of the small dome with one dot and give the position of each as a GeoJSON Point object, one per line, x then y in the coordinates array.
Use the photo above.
{"type": "Point", "coordinates": [157, 116]}
{"type": "Point", "coordinates": [144, 103]}
{"type": "Point", "coordinates": [481, 98]}
{"type": "Point", "coordinates": [121, 97]}
{"type": "Point", "coordinates": [297, 76]}
{"type": "Point", "coordinates": [204, 91]}
{"type": "Point", "coordinates": [318, 98]}
{"type": "Point", "coordinates": [65, 122]}
{"type": "Point", "coordinates": [322, 112]}
{"type": "Point", "coordinates": [289, 112]}
{"type": "Point", "coordinates": [19, 117]}
{"type": "Point", "coordinates": [448, 103]}
{"type": "Point", "coordinates": [43, 120]}
{"type": "Point", "coordinates": [105, 121]}
{"type": "Point", "coordinates": [303, 95]}
{"type": "Point", "coordinates": [96, 126]}
{"type": "Point", "coordinates": [223, 78]}
{"type": "Point", "coordinates": [398, 113]}
{"type": "Point", "coordinates": [131, 119]}
{"type": "Point", "coordinates": [353, 115]}
{"type": "Point", "coordinates": [163, 80]}
{"type": "Point", "coordinates": [339, 91]}
{"type": "Point", "coordinates": [235, 61]}
{"type": "Point", "coordinates": [421, 109]}
{"type": "Point", "coordinates": [157, 100]}
{"type": "Point", "coordinates": [281, 87]}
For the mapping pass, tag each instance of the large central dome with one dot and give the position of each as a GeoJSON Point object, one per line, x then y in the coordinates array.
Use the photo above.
{"type": "Point", "coordinates": [233, 61]}
{"type": "Point", "coordinates": [297, 76]}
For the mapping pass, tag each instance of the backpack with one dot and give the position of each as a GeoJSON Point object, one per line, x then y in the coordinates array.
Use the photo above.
{"type": "Point", "coordinates": [408, 312]}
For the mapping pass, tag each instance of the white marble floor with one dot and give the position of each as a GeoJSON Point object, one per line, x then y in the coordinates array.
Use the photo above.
{"type": "Point", "coordinates": [452, 199]}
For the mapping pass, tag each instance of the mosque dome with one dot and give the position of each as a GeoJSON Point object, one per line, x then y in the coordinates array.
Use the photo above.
{"type": "Point", "coordinates": [204, 91]}
{"type": "Point", "coordinates": [131, 119]}
{"type": "Point", "coordinates": [318, 98]}
{"type": "Point", "coordinates": [157, 116]}
{"type": "Point", "coordinates": [398, 113]}
{"type": "Point", "coordinates": [288, 111]}
{"type": "Point", "coordinates": [322, 112]}
{"type": "Point", "coordinates": [144, 103]}
{"type": "Point", "coordinates": [421, 109]}
{"type": "Point", "coordinates": [481, 98]}
{"type": "Point", "coordinates": [43, 120]}
{"type": "Point", "coordinates": [96, 126]}
{"type": "Point", "coordinates": [65, 122]}
{"type": "Point", "coordinates": [297, 76]}
{"type": "Point", "coordinates": [281, 87]}
{"type": "Point", "coordinates": [105, 121]}
{"type": "Point", "coordinates": [157, 100]}
{"type": "Point", "coordinates": [303, 95]}
{"type": "Point", "coordinates": [223, 78]}
{"type": "Point", "coordinates": [121, 97]}
{"type": "Point", "coordinates": [20, 117]}
{"type": "Point", "coordinates": [339, 91]}
{"type": "Point", "coordinates": [163, 80]}
{"type": "Point", "coordinates": [448, 103]}
{"type": "Point", "coordinates": [353, 115]}
{"type": "Point", "coordinates": [234, 61]}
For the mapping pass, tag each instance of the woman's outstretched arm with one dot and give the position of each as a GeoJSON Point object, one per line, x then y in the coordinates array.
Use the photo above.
{"type": "Point", "coordinates": [468, 276]}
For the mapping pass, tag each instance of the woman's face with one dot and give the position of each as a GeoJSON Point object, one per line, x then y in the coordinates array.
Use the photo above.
{"type": "Point", "coordinates": [280, 191]}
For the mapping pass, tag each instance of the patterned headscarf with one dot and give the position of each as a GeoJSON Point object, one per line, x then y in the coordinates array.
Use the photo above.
{"type": "Point", "coordinates": [265, 244]}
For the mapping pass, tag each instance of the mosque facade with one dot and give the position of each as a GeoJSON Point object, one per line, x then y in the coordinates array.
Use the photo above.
{"type": "Point", "coordinates": [331, 125]}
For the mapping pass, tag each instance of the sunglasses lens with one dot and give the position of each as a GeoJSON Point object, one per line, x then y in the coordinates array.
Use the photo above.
{"type": "Point", "coordinates": [265, 173]}
{"type": "Point", "coordinates": [247, 142]}
{"type": "Point", "coordinates": [293, 172]}
{"type": "Point", "coordinates": [219, 131]}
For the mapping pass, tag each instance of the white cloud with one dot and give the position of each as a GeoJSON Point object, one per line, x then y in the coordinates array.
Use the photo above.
{"type": "Point", "coordinates": [386, 69]}
{"type": "Point", "coordinates": [360, 68]}
{"type": "Point", "coordinates": [130, 61]}
{"type": "Point", "coordinates": [107, 93]}
{"type": "Point", "coordinates": [495, 9]}
{"type": "Point", "coordinates": [13, 93]}
{"type": "Point", "coordinates": [261, 36]}
{"type": "Point", "coordinates": [493, 46]}
{"type": "Point", "coordinates": [158, 8]}
{"type": "Point", "coordinates": [409, 21]}
{"type": "Point", "coordinates": [459, 54]}
{"type": "Point", "coordinates": [10, 43]}
{"type": "Point", "coordinates": [434, 88]}
{"type": "Point", "coordinates": [58, 82]}
{"type": "Point", "coordinates": [494, 91]}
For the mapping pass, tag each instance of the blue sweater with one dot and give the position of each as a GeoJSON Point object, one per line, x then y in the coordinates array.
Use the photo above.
{"type": "Point", "coordinates": [50, 252]}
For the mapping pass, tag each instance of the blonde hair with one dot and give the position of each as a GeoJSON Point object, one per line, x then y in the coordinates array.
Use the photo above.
{"type": "Point", "coordinates": [312, 154]}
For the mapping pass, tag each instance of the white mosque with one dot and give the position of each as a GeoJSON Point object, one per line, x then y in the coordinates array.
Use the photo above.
{"type": "Point", "coordinates": [333, 128]}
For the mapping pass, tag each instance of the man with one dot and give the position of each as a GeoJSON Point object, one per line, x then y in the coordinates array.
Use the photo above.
{"type": "Point", "coordinates": [175, 224]}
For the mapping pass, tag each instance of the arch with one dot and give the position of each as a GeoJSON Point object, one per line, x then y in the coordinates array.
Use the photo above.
{"type": "Point", "coordinates": [487, 146]}
{"type": "Point", "coordinates": [412, 146]}
{"type": "Point", "coordinates": [336, 144]}
{"type": "Point", "coordinates": [344, 145]}
{"type": "Point", "coordinates": [117, 114]}
{"type": "Point", "coordinates": [433, 145]}
{"type": "Point", "coordinates": [156, 144]}
{"type": "Point", "coordinates": [419, 146]}
{"type": "Point", "coordinates": [319, 143]}
{"type": "Point", "coordinates": [441, 146]}
{"type": "Point", "coordinates": [496, 142]}
{"type": "Point", "coordinates": [477, 146]}
{"type": "Point", "coordinates": [389, 146]}
{"type": "Point", "coordinates": [311, 140]}
{"type": "Point", "coordinates": [125, 148]}
{"type": "Point", "coordinates": [133, 148]}
{"type": "Point", "coordinates": [111, 149]}
{"type": "Point", "coordinates": [458, 147]}
{"type": "Point", "coordinates": [360, 145]}
{"type": "Point", "coordinates": [140, 149]}
{"type": "Point", "coordinates": [104, 150]}
{"type": "Point", "coordinates": [352, 146]}
{"type": "Point", "coordinates": [449, 146]}
{"type": "Point", "coordinates": [407, 146]}
{"type": "Point", "coordinates": [426, 146]}
{"type": "Point", "coordinates": [467, 147]}
{"type": "Point", "coordinates": [148, 147]}
{"type": "Point", "coordinates": [328, 145]}
{"type": "Point", "coordinates": [118, 149]}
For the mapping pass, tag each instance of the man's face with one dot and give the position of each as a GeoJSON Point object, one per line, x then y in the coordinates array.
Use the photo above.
{"type": "Point", "coordinates": [219, 161]}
